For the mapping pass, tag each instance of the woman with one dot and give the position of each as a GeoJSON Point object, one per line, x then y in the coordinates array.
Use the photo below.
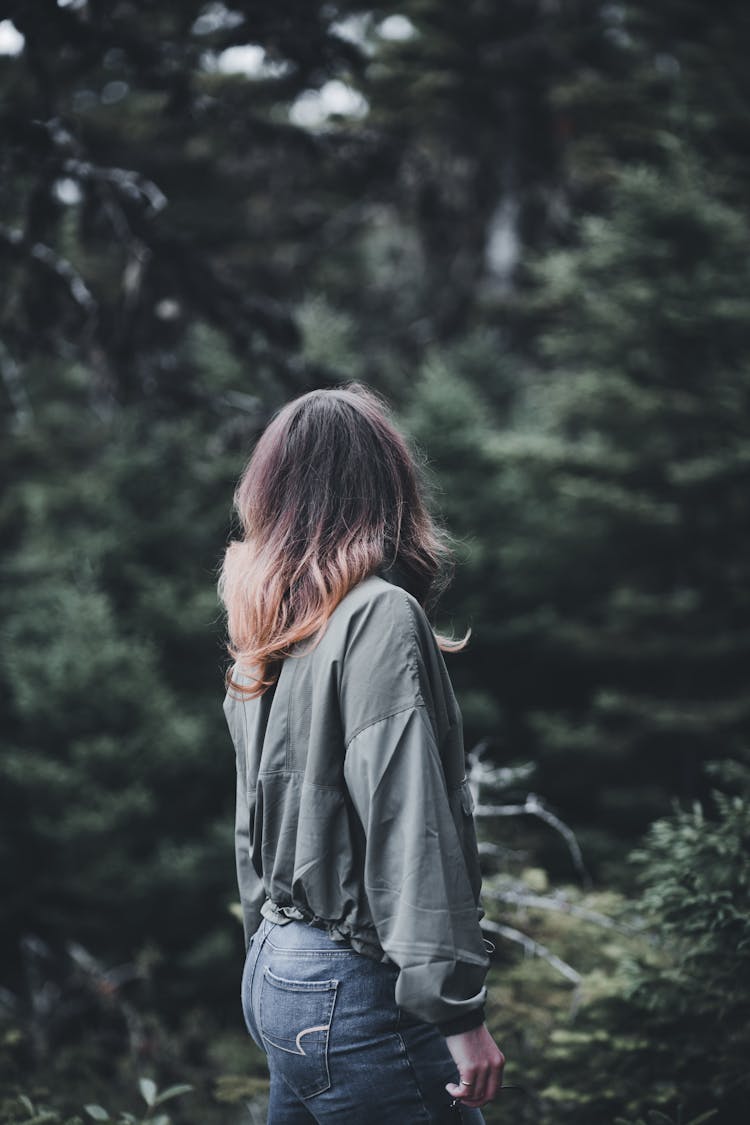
{"type": "Point", "coordinates": [356, 852]}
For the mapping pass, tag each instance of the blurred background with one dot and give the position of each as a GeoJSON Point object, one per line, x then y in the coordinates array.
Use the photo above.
{"type": "Point", "coordinates": [526, 223]}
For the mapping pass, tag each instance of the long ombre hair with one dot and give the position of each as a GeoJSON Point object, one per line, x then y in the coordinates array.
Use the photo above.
{"type": "Point", "coordinates": [330, 496]}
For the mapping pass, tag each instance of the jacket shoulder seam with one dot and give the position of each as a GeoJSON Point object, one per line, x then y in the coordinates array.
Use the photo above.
{"type": "Point", "coordinates": [415, 706]}
{"type": "Point", "coordinates": [415, 648]}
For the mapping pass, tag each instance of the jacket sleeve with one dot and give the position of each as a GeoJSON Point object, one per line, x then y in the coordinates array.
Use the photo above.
{"type": "Point", "coordinates": [416, 880]}
{"type": "Point", "coordinates": [252, 892]}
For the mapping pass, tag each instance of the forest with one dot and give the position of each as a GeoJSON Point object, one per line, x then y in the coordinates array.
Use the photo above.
{"type": "Point", "coordinates": [526, 223]}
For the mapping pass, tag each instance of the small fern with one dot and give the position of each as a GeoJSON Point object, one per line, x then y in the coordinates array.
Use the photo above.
{"type": "Point", "coordinates": [153, 1099]}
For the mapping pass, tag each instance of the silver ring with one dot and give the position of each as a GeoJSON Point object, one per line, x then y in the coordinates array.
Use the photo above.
{"type": "Point", "coordinates": [464, 1083]}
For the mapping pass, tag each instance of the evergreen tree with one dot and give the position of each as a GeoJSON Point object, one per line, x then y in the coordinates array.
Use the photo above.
{"type": "Point", "coordinates": [669, 1034]}
{"type": "Point", "coordinates": [185, 247]}
{"type": "Point", "coordinates": [608, 525]}
{"type": "Point", "coordinates": [146, 334]}
{"type": "Point", "coordinates": [117, 780]}
{"type": "Point", "coordinates": [145, 186]}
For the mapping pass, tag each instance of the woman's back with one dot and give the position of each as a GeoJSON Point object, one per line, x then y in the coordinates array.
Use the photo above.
{"type": "Point", "coordinates": [328, 840]}
{"type": "Point", "coordinates": [355, 846]}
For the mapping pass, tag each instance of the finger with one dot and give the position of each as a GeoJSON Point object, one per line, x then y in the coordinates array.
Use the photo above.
{"type": "Point", "coordinates": [493, 1082]}
{"type": "Point", "coordinates": [477, 1094]}
{"type": "Point", "coordinates": [467, 1078]}
{"type": "Point", "coordinates": [481, 1081]}
{"type": "Point", "coordinates": [457, 1091]}
{"type": "Point", "coordinates": [468, 1095]}
{"type": "Point", "coordinates": [464, 1098]}
{"type": "Point", "coordinates": [484, 1089]}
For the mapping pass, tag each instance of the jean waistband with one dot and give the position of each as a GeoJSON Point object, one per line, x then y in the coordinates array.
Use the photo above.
{"type": "Point", "coordinates": [325, 927]}
{"type": "Point", "coordinates": [284, 915]}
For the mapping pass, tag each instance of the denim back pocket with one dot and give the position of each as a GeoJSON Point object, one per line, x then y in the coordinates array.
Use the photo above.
{"type": "Point", "coordinates": [295, 1021]}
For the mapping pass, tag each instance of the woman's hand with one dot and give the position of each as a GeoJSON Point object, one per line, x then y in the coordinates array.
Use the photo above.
{"type": "Point", "coordinates": [480, 1065]}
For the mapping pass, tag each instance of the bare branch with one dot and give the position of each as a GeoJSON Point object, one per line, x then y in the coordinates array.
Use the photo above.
{"type": "Point", "coordinates": [557, 904]}
{"type": "Point", "coordinates": [249, 404]}
{"type": "Point", "coordinates": [497, 777]}
{"type": "Point", "coordinates": [77, 287]}
{"type": "Point", "coordinates": [534, 807]}
{"type": "Point", "coordinates": [131, 184]}
{"type": "Point", "coordinates": [10, 373]}
{"type": "Point", "coordinates": [52, 261]}
{"type": "Point", "coordinates": [534, 948]}
{"type": "Point", "coordinates": [486, 847]}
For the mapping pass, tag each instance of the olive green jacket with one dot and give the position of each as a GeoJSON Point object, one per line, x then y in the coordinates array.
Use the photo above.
{"type": "Point", "coordinates": [353, 806]}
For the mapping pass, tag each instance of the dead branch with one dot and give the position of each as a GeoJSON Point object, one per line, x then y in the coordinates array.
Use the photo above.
{"type": "Point", "coordinates": [535, 949]}
{"type": "Point", "coordinates": [10, 373]}
{"type": "Point", "coordinates": [532, 806]}
{"type": "Point", "coordinates": [556, 904]}
{"type": "Point", "coordinates": [55, 264]}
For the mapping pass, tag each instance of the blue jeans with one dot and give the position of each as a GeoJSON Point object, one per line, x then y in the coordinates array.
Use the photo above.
{"type": "Point", "coordinates": [339, 1048]}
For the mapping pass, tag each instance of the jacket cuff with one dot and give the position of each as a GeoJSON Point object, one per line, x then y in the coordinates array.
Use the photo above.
{"type": "Point", "coordinates": [466, 1022]}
